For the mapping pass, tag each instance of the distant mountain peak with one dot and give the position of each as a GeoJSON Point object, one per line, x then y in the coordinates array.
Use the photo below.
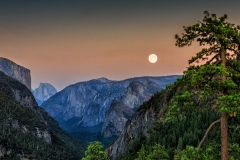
{"type": "Point", "coordinates": [103, 79]}
{"type": "Point", "coordinates": [44, 92]}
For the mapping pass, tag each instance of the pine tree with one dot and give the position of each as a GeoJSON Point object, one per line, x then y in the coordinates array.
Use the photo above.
{"type": "Point", "coordinates": [94, 152]}
{"type": "Point", "coordinates": [213, 77]}
{"type": "Point", "coordinates": [142, 154]}
{"type": "Point", "coordinates": [159, 152]}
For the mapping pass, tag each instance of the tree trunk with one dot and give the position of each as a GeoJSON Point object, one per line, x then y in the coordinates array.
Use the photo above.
{"type": "Point", "coordinates": [206, 133]}
{"type": "Point", "coordinates": [224, 118]}
{"type": "Point", "coordinates": [224, 136]}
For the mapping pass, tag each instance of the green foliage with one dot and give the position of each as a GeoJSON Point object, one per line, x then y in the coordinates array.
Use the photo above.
{"type": "Point", "coordinates": [142, 154]}
{"type": "Point", "coordinates": [220, 36]}
{"type": "Point", "coordinates": [94, 152]}
{"type": "Point", "coordinates": [159, 152]}
{"type": "Point", "coordinates": [212, 152]}
{"type": "Point", "coordinates": [19, 142]}
{"type": "Point", "coordinates": [13, 111]}
{"type": "Point", "coordinates": [214, 32]}
{"type": "Point", "coordinates": [204, 86]}
{"type": "Point", "coordinates": [179, 104]}
{"type": "Point", "coordinates": [190, 153]}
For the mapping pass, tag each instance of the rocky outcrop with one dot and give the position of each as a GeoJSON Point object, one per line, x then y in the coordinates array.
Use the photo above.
{"type": "Point", "coordinates": [122, 110]}
{"type": "Point", "coordinates": [44, 92]}
{"type": "Point", "coordinates": [16, 71]}
{"type": "Point", "coordinates": [25, 100]}
{"type": "Point", "coordinates": [136, 93]}
{"type": "Point", "coordinates": [116, 118]}
{"type": "Point", "coordinates": [43, 134]}
{"type": "Point", "coordinates": [138, 125]}
{"type": "Point", "coordinates": [4, 151]}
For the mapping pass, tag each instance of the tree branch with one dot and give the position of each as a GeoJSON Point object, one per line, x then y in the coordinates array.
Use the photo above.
{"type": "Point", "coordinates": [206, 133]}
{"type": "Point", "coordinates": [231, 49]}
{"type": "Point", "coordinates": [238, 126]}
{"type": "Point", "coordinates": [208, 62]}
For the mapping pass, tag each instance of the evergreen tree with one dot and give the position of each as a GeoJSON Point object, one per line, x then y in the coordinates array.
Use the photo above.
{"type": "Point", "coordinates": [94, 152]}
{"type": "Point", "coordinates": [213, 77]}
{"type": "Point", "coordinates": [142, 154]}
{"type": "Point", "coordinates": [159, 152]}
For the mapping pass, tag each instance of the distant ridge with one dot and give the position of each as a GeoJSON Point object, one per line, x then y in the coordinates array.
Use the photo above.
{"type": "Point", "coordinates": [84, 104]}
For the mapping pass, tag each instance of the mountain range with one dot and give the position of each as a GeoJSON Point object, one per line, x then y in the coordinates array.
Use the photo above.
{"type": "Point", "coordinates": [101, 107]}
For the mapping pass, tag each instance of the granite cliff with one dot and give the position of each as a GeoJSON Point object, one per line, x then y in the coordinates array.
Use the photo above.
{"type": "Point", "coordinates": [135, 127]}
{"type": "Point", "coordinates": [140, 123]}
{"type": "Point", "coordinates": [44, 92]}
{"type": "Point", "coordinates": [122, 110]}
{"type": "Point", "coordinates": [16, 71]}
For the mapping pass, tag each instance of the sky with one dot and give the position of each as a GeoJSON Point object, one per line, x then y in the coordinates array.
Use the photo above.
{"type": "Point", "coordinates": [64, 42]}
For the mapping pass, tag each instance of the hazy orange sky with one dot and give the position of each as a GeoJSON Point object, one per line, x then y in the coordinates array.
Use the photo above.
{"type": "Point", "coordinates": [64, 42]}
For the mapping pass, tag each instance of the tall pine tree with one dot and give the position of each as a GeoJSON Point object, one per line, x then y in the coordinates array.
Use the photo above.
{"type": "Point", "coordinates": [222, 41]}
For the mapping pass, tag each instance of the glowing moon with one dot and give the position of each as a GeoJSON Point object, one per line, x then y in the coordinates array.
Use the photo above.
{"type": "Point", "coordinates": [152, 58]}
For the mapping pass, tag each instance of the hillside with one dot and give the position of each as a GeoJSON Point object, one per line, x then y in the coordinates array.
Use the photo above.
{"type": "Point", "coordinates": [27, 130]}
{"type": "Point", "coordinates": [147, 127]}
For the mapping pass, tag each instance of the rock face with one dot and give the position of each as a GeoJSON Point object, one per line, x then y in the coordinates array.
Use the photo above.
{"type": "Point", "coordinates": [122, 110]}
{"type": "Point", "coordinates": [139, 124]}
{"type": "Point", "coordinates": [16, 71]}
{"type": "Point", "coordinates": [44, 92]}
{"type": "Point", "coordinates": [136, 93]}
{"type": "Point", "coordinates": [116, 118]}
{"type": "Point", "coordinates": [85, 104]}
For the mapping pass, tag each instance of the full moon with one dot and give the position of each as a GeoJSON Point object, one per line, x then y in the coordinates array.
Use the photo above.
{"type": "Point", "coordinates": [152, 58]}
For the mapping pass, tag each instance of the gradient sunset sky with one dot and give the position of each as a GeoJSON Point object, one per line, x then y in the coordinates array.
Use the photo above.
{"type": "Point", "coordinates": [64, 42]}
